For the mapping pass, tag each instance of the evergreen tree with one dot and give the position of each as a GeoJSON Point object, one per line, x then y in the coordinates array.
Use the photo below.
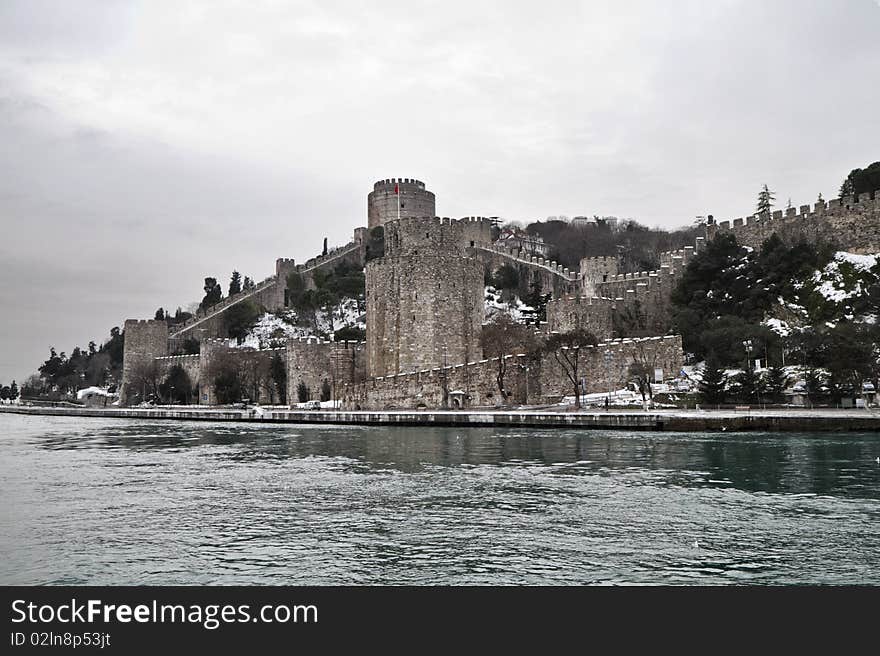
{"type": "Point", "coordinates": [5, 392]}
{"type": "Point", "coordinates": [302, 392]}
{"type": "Point", "coordinates": [774, 382]}
{"type": "Point", "coordinates": [749, 385]}
{"type": "Point", "coordinates": [13, 391]}
{"type": "Point", "coordinates": [861, 180]}
{"type": "Point", "coordinates": [326, 390]}
{"type": "Point", "coordinates": [235, 284]}
{"type": "Point", "coordinates": [247, 285]}
{"type": "Point", "coordinates": [765, 200]}
{"type": "Point", "coordinates": [713, 386]}
{"type": "Point", "coordinates": [213, 293]}
{"type": "Point", "coordinates": [160, 315]}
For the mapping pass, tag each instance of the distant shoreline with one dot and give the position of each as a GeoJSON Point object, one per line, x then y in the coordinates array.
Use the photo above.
{"type": "Point", "coordinates": [784, 420]}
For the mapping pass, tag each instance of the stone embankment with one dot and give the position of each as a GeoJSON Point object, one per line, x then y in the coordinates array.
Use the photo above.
{"type": "Point", "coordinates": [790, 419]}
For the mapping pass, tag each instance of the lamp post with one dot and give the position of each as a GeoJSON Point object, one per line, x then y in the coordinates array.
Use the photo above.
{"type": "Point", "coordinates": [747, 344]}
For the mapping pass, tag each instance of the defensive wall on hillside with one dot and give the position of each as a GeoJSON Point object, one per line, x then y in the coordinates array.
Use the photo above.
{"type": "Point", "coordinates": [852, 223]}
{"type": "Point", "coordinates": [270, 293]}
{"type": "Point", "coordinates": [612, 304]}
{"type": "Point", "coordinates": [425, 309]}
{"type": "Point", "coordinates": [528, 380]}
{"type": "Point", "coordinates": [550, 276]}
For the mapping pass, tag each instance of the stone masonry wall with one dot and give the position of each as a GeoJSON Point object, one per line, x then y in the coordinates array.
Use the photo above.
{"type": "Point", "coordinates": [415, 201]}
{"type": "Point", "coordinates": [578, 312]}
{"type": "Point", "coordinates": [852, 223]}
{"type": "Point", "coordinates": [271, 293]}
{"type": "Point", "coordinates": [424, 300]}
{"type": "Point", "coordinates": [144, 341]}
{"type": "Point", "coordinates": [312, 361]}
{"type": "Point", "coordinates": [532, 381]}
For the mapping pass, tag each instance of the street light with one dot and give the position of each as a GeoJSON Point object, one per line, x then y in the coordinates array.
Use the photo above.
{"type": "Point", "coordinates": [748, 346]}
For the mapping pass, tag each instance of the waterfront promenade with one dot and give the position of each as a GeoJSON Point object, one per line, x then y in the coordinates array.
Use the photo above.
{"type": "Point", "coordinates": [783, 419]}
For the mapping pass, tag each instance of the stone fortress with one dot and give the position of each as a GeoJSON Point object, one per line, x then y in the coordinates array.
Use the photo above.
{"type": "Point", "coordinates": [425, 310]}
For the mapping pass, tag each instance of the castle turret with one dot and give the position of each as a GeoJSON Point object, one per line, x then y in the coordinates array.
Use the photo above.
{"type": "Point", "coordinates": [424, 297]}
{"type": "Point", "coordinates": [415, 201]}
{"type": "Point", "coordinates": [145, 340]}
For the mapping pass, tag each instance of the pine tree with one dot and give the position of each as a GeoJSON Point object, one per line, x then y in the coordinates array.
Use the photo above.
{"type": "Point", "coordinates": [213, 292]}
{"type": "Point", "coordinates": [774, 382]}
{"type": "Point", "coordinates": [235, 284]}
{"type": "Point", "coordinates": [247, 285]}
{"type": "Point", "coordinates": [748, 385]}
{"type": "Point", "coordinates": [13, 391]}
{"type": "Point", "coordinates": [765, 200]}
{"type": "Point", "coordinates": [713, 386]}
{"type": "Point", "coordinates": [160, 315]}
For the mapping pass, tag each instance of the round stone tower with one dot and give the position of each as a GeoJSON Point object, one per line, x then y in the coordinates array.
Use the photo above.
{"type": "Point", "coordinates": [424, 297]}
{"type": "Point", "coordinates": [415, 201]}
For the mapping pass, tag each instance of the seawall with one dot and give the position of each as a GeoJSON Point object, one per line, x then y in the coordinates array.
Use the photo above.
{"type": "Point", "coordinates": [790, 419]}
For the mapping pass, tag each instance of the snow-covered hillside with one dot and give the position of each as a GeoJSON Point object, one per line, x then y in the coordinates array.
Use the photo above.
{"type": "Point", "coordinates": [496, 303]}
{"type": "Point", "coordinates": [272, 330]}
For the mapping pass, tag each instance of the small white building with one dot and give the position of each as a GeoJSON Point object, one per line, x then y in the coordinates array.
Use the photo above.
{"type": "Point", "coordinates": [96, 397]}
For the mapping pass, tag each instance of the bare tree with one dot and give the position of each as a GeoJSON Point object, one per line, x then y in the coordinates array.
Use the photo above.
{"type": "Point", "coordinates": [567, 349]}
{"type": "Point", "coordinates": [641, 370]}
{"type": "Point", "coordinates": [144, 381]}
{"type": "Point", "coordinates": [502, 337]}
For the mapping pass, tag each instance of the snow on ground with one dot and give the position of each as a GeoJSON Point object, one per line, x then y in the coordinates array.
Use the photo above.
{"type": "Point", "coordinates": [778, 326]}
{"type": "Point", "coordinates": [515, 308]}
{"type": "Point", "coordinates": [272, 330]}
{"type": "Point", "coordinates": [841, 279]}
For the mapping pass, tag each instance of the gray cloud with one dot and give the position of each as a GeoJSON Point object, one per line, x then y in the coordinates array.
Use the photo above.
{"type": "Point", "coordinates": [147, 145]}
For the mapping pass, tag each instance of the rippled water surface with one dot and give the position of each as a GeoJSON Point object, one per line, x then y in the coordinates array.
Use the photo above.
{"type": "Point", "coordinates": [138, 502]}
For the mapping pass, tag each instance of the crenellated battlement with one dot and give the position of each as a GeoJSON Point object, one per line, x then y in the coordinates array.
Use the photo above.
{"type": "Point", "coordinates": [853, 223]}
{"type": "Point", "coordinates": [390, 183]}
{"type": "Point", "coordinates": [398, 198]}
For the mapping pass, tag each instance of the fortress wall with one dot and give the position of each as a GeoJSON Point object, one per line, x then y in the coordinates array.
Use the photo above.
{"type": "Point", "coordinates": [312, 361]}
{"type": "Point", "coordinates": [549, 276]}
{"type": "Point", "coordinates": [191, 364]}
{"type": "Point", "coordinates": [420, 235]}
{"type": "Point", "coordinates": [423, 310]}
{"type": "Point", "coordinates": [425, 301]}
{"type": "Point", "coordinates": [527, 380]}
{"type": "Point", "coordinates": [602, 373]}
{"type": "Point", "coordinates": [251, 363]}
{"type": "Point", "coordinates": [271, 293]}
{"type": "Point", "coordinates": [144, 341]}
{"type": "Point", "coordinates": [382, 202]}
{"type": "Point", "coordinates": [578, 312]}
{"type": "Point", "coordinates": [462, 385]}
{"type": "Point", "coordinates": [595, 270]}
{"type": "Point", "coordinates": [852, 223]}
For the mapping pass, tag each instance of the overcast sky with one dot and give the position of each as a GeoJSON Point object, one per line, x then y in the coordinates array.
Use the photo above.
{"type": "Point", "coordinates": [145, 145]}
